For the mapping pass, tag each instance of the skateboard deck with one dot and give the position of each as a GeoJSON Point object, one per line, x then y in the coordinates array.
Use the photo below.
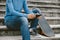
{"type": "Point", "coordinates": [45, 29]}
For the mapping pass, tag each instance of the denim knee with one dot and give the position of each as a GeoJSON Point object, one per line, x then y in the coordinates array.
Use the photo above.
{"type": "Point", "coordinates": [23, 20]}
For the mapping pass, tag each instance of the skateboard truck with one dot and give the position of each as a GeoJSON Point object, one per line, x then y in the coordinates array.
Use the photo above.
{"type": "Point", "coordinates": [37, 14]}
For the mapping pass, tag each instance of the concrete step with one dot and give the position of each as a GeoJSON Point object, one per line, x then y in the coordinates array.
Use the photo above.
{"type": "Point", "coordinates": [45, 13]}
{"type": "Point", "coordinates": [53, 1]}
{"type": "Point", "coordinates": [40, 1]}
{"type": "Point", "coordinates": [52, 26]}
{"type": "Point", "coordinates": [49, 14]}
{"type": "Point", "coordinates": [56, 37]}
{"type": "Point", "coordinates": [5, 31]}
{"type": "Point", "coordinates": [44, 6]}
{"type": "Point", "coordinates": [2, 3]}
{"type": "Point", "coordinates": [43, 1]}
{"type": "Point", "coordinates": [32, 5]}
{"type": "Point", "coordinates": [50, 20]}
{"type": "Point", "coordinates": [37, 3]}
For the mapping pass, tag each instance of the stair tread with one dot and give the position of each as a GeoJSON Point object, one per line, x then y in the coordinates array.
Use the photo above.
{"type": "Point", "coordinates": [49, 18]}
{"type": "Point", "coordinates": [2, 3]}
{"type": "Point", "coordinates": [44, 11]}
{"type": "Point", "coordinates": [52, 26]}
{"type": "Point", "coordinates": [32, 37]}
{"type": "Point", "coordinates": [51, 2]}
{"type": "Point", "coordinates": [55, 6]}
{"type": "Point", "coordinates": [53, 18]}
{"type": "Point", "coordinates": [44, 1]}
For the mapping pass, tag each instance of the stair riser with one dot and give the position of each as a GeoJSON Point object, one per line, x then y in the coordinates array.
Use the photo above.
{"type": "Point", "coordinates": [52, 22]}
{"type": "Point", "coordinates": [51, 14]}
{"type": "Point", "coordinates": [35, 5]}
{"type": "Point", "coordinates": [42, 9]}
{"type": "Point", "coordinates": [34, 0]}
{"type": "Point", "coordinates": [2, 14]}
{"type": "Point", "coordinates": [46, 0]}
{"type": "Point", "coordinates": [32, 38]}
{"type": "Point", "coordinates": [10, 33]}
{"type": "Point", "coordinates": [40, 3]}
{"type": "Point", "coordinates": [2, 1]}
{"type": "Point", "coordinates": [56, 30]}
{"type": "Point", "coordinates": [38, 6]}
{"type": "Point", "coordinates": [47, 12]}
{"type": "Point", "coordinates": [2, 7]}
{"type": "Point", "coordinates": [17, 33]}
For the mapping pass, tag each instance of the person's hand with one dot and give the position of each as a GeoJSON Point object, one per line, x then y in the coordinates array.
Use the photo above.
{"type": "Point", "coordinates": [31, 16]}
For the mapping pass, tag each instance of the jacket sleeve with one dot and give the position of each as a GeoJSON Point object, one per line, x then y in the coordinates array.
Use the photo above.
{"type": "Point", "coordinates": [11, 9]}
{"type": "Point", "coordinates": [25, 6]}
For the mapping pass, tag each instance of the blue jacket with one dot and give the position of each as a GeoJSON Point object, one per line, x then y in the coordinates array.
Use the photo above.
{"type": "Point", "coordinates": [14, 7]}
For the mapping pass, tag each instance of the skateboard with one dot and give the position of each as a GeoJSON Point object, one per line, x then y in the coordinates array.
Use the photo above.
{"type": "Point", "coordinates": [44, 29]}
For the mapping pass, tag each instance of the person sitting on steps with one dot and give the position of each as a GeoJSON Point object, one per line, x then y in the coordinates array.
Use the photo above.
{"type": "Point", "coordinates": [15, 19]}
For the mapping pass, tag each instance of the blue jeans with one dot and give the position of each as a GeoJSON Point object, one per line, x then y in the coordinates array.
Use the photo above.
{"type": "Point", "coordinates": [14, 22]}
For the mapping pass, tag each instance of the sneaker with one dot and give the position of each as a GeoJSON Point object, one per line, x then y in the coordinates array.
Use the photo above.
{"type": "Point", "coordinates": [33, 32]}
